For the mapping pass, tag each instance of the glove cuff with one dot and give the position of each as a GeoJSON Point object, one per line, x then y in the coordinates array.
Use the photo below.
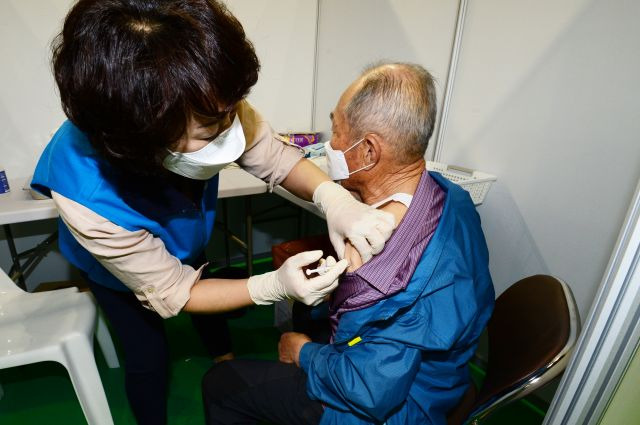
{"type": "Point", "coordinates": [263, 288]}
{"type": "Point", "coordinates": [327, 193]}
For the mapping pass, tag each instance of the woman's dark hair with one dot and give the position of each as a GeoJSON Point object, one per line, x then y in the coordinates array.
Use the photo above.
{"type": "Point", "coordinates": [131, 73]}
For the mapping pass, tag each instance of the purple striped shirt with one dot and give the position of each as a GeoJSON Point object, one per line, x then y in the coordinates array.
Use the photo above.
{"type": "Point", "coordinates": [390, 271]}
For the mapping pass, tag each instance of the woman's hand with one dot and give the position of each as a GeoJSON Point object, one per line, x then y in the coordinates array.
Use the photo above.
{"type": "Point", "coordinates": [290, 345]}
{"type": "Point", "coordinates": [289, 281]}
{"type": "Point", "coordinates": [348, 219]}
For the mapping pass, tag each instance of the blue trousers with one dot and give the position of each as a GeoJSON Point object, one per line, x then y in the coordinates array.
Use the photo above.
{"type": "Point", "coordinates": [253, 391]}
{"type": "Point", "coordinates": [142, 337]}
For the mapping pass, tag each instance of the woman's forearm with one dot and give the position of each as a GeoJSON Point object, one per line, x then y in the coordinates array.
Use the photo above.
{"type": "Point", "coordinates": [304, 178]}
{"type": "Point", "coordinates": [218, 295]}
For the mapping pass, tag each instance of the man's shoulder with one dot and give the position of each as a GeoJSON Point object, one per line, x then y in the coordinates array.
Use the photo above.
{"type": "Point", "coordinates": [455, 194]}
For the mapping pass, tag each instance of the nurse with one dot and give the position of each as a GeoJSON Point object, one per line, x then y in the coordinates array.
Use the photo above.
{"type": "Point", "coordinates": [154, 92]}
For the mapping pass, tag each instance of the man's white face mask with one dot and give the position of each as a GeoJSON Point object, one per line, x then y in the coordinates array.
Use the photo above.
{"type": "Point", "coordinates": [337, 166]}
{"type": "Point", "coordinates": [208, 161]}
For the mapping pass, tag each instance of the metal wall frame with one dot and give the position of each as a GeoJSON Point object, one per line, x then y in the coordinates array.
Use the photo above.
{"type": "Point", "coordinates": [610, 337]}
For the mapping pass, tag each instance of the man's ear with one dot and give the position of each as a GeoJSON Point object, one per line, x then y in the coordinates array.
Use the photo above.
{"type": "Point", "coordinates": [373, 148]}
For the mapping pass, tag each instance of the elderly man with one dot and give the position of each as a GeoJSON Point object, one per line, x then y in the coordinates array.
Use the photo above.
{"type": "Point", "coordinates": [405, 323]}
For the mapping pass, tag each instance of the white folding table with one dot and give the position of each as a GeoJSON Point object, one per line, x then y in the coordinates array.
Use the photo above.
{"type": "Point", "coordinates": [18, 206]}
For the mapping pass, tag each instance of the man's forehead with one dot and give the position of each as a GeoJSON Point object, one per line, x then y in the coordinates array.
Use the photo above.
{"type": "Point", "coordinates": [346, 96]}
{"type": "Point", "coordinates": [336, 116]}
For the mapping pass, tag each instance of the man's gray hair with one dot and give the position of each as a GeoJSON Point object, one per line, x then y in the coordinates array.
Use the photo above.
{"type": "Point", "coordinates": [398, 102]}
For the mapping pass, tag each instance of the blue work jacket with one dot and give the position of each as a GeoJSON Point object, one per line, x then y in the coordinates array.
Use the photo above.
{"type": "Point", "coordinates": [71, 167]}
{"type": "Point", "coordinates": [404, 359]}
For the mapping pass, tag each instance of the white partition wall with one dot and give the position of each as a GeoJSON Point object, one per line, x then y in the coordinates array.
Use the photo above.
{"type": "Point", "coordinates": [354, 33]}
{"type": "Point", "coordinates": [546, 98]}
{"type": "Point", "coordinates": [283, 32]}
{"type": "Point", "coordinates": [29, 105]}
{"type": "Point", "coordinates": [29, 111]}
{"type": "Point", "coordinates": [608, 344]}
{"type": "Point", "coordinates": [543, 99]}
{"type": "Point", "coordinates": [284, 35]}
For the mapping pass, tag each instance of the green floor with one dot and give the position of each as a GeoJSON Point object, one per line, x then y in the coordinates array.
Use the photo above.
{"type": "Point", "coordinates": [42, 393]}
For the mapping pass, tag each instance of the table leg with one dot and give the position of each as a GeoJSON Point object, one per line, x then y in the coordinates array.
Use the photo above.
{"type": "Point", "coordinates": [35, 255]}
{"type": "Point", "coordinates": [301, 218]}
{"type": "Point", "coordinates": [225, 217]}
{"type": "Point", "coordinates": [249, 236]}
{"type": "Point", "coordinates": [16, 269]}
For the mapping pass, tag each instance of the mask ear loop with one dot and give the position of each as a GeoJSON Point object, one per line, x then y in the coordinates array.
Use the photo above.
{"type": "Point", "coordinates": [361, 168]}
{"type": "Point", "coordinates": [354, 145]}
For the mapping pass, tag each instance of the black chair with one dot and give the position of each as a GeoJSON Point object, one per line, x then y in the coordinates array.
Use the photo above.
{"type": "Point", "coordinates": [532, 333]}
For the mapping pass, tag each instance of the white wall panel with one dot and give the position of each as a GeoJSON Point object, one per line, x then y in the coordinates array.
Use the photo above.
{"type": "Point", "coordinates": [29, 105]}
{"type": "Point", "coordinates": [29, 111]}
{"type": "Point", "coordinates": [354, 33]}
{"type": "Point", "coordinates": [546, 98]}
{"type": "Point", "coordinates": [284, 34]}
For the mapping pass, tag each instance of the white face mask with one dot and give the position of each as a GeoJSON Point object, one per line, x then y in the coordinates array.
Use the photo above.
{"type": "Point", "coordinates": [337, 164]}
{"type": "Point", "coordinates": [208, 161]}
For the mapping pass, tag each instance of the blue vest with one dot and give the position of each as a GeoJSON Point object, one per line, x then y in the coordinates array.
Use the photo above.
{"type": "Point", "coordinates": [71, 167]}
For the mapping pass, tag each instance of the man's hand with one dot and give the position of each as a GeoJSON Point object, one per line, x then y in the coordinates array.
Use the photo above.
{"type": "Point", "coordinates": [365, 227]}
{"type": "Point", "coordinates": [290, 345]}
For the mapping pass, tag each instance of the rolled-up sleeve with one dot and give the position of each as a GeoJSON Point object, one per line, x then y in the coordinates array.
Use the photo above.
{"type": "Point", "coordinates": [268, 156]}
{"type": "Point", "coordinates": [138, 259]}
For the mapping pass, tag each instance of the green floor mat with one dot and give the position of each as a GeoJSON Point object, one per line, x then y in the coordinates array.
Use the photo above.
{"type": "Point", "coordinates": [42, 393]}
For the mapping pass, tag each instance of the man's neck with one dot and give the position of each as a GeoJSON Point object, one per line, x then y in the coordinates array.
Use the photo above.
{"type": "Point", "coordinates": [404, 178]}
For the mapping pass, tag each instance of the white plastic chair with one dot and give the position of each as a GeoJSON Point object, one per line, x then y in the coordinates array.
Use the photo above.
{"type": "Point", "coordinates": [57, 326]}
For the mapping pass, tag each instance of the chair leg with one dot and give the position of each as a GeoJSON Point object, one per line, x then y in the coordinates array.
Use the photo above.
{"type": "Point", "coordinates": [106, 343]}
{"type": "Point", "coordinates": [81, 365]}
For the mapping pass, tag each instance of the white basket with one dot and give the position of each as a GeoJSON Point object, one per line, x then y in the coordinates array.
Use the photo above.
{"type": "Point", "coordinates": [476, 183]}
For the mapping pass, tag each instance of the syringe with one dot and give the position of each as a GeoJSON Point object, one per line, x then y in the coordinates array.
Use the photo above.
{"type": "Point", "coordinates": [320, 270]}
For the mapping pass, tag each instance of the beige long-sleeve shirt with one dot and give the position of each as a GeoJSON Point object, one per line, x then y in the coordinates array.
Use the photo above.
{"type": "Point", "coordinates": [138, 258]}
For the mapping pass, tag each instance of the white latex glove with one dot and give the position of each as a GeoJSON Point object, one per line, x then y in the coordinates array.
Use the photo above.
{"type": "Point", "coordinates": [289, 281]}
{"type": "Point", "coordinates": [366, 227]}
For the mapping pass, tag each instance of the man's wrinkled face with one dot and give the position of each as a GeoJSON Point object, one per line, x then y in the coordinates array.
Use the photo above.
{"type": "Point", "coordinates": [339, 131]}
{"type": "Point", "coordinates": [341, 139]}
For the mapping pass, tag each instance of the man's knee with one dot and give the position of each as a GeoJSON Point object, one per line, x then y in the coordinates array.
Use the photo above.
{"type": "Point", "coordinates": [221, 381]}
{"type": "Point", "coordinates": [211, 387]}
{"type": "Point", "coordinates": [220, 386]}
